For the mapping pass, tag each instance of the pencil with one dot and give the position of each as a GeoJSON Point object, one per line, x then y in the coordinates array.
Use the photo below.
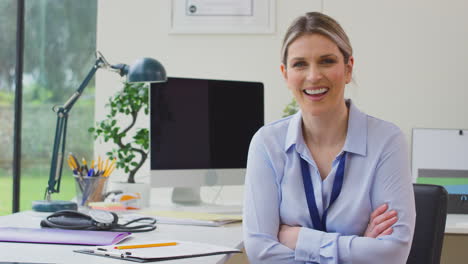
{"type": "Point", "coordinates": [147, 245]}
{"type": "Point", "coordinates": [99, 164]}
{"type": "Point", "coordinates": [108, 172]}
{"type": "Point", "coordinates": [106, 166]}
{"type": "Point", "coordinates": [70, 164]}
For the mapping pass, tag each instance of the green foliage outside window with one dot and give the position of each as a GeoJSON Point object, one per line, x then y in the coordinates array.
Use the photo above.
{"type": "Point", "coordinates": [59, 48]}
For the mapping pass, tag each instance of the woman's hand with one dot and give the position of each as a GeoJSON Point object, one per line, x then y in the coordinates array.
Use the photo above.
{"type": "Point", "coordinates": [381, 222]}
{"type": "Point", "coordinates": [288, 235]}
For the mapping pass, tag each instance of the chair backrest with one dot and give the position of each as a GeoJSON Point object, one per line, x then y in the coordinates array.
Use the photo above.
{"type": "Point", "coordinates": [431, 213]}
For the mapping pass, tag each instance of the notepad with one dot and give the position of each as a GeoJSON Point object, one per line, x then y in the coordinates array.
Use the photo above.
{"type": "Point", "coordinates": [60, 236]}
{"type": "Point", "coordinates": [183, 249]}
{"type": "Point", "coordinates": [192, 218]}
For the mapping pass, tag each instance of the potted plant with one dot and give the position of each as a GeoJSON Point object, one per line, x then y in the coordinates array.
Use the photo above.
{"type": "Point", "coordinates": [131, 144]}
{"type": "Point", "coordinates": [291, 108]}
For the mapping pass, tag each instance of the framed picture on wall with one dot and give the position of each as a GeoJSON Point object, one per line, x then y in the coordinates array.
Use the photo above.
{"type": "Point", "coordinates": [222, 17]}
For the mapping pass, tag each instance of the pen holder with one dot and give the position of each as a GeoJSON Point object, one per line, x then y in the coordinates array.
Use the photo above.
{"type": "Point", "coordinates": [89, 189]}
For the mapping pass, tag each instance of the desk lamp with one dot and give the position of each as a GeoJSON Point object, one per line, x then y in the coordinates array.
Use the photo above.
{"type": "Point", "coordinates": [143, 70]}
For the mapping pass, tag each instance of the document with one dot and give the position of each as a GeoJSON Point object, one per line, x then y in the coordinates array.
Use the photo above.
{"type": "Point", "coordinates": [190, 218]}
{"type": "Point", "coordinates": [219, 7]}
{"type": "Point", "coordinates": [60, 236]}
{"type": "Point", "coordinates": [176, 250]}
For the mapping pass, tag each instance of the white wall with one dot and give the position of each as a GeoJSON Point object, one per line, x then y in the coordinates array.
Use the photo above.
{"type": "Point", "coordinates": [411, 56]}
{"type": "Point", "coordinates": [411, 59]}
{"type": "Point", "coordinates": [128, 30]}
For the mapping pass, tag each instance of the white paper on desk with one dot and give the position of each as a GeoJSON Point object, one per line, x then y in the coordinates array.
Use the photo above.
{"type": "Point", "coordinates": [175, 221]}
{"type": "Point", "coordinates": [183, 249]}
{"type": "Point", "coordinates": [187, 218]}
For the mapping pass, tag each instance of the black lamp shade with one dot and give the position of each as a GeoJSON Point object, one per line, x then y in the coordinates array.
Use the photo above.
{"type": "Point", "coordinates": [146, 70]}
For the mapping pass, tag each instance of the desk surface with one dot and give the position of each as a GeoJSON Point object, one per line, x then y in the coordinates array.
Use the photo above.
{"type": "Point", "coordinates": [456, 224]}
{"type": "Point", "coordinates": [229, 236]}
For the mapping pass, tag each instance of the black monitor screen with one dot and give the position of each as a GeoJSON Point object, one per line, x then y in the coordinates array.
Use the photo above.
{"type": "Point", "coordinates": [203, 124]}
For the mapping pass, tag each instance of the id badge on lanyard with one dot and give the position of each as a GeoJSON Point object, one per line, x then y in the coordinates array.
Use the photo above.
{"type": "Point", "coordinates": [321, 223]}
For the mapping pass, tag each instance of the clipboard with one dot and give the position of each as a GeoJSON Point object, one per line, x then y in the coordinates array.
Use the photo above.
{"type": "Point", "coordinates": [183, 249]}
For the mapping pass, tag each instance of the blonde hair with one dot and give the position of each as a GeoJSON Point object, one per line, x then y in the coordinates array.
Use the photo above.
{"type": "Point", "coordinates": [316, 22]}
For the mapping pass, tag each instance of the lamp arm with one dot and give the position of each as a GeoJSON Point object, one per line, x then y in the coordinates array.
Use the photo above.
{"type": "Point", "coordinates": [61, 129]}
{"type": "Point", "coordinates": [63, 110]}
{"type": "Point", "coordinates": [75, 96]}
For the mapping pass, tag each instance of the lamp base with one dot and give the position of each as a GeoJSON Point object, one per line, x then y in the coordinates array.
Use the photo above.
{"type": "Point", "coordinates": [53, 206]}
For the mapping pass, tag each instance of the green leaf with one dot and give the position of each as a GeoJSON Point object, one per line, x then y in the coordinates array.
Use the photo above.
{"type": "Point", "coordinates": [128, 103]}
{"type": "Point", "coordinates": [291, 108]}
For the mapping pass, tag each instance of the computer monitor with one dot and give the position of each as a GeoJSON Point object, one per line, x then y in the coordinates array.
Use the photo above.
{"type": "Point", "coordinates": [440, 156]}
{"type": "Point", "coordinates": [200, 132]}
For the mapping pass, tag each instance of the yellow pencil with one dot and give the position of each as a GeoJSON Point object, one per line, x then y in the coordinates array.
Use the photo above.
{"type": "Point", "coordinates": [147, 245]}
{"type": "Point", "coordinates": [113, 161]}
{"type": "Point", "coordinates": [70, 164]}
{"type": "Point", "coordinates": [73, 162]}
{"type": "Point", "coordinates": [106, 166]}
{"type": "Point", "coordinates": [99, 163]}
{"type": "Point", "coordinates": [108, 172]}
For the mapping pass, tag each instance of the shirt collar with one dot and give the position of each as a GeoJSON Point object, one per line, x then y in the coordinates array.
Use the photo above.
{"type": "Point", "coordinates": [294, 134]}
{"type": "Point", "coordinates": [356, 137]}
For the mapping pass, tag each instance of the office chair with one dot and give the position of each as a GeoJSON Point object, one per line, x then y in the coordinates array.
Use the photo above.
{"type": "Point", "coordinates": [431, 213]}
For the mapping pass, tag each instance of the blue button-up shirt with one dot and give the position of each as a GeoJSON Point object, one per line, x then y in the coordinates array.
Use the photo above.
{"type": "Point", "coordinates": [377, 172]}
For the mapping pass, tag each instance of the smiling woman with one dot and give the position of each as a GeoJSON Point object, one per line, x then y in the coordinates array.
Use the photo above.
{"type": "Point", "coordinates": [316, 73]}
{"type": "Point", "coordinates": [329, 184]}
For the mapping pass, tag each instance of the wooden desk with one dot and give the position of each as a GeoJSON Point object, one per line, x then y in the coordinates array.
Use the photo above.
{"type": "Point", "coordinates": [454, 250]}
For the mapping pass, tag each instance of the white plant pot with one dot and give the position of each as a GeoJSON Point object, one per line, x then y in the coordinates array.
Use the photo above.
{"type": "Point", "coordinates": [143, 189]}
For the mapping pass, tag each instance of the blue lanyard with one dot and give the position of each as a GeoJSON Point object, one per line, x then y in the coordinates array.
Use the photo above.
{"type": "Point", "coordinates": [321, 224]}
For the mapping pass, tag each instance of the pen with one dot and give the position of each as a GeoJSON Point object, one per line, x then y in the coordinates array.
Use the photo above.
{"type": "Point", "coordinates": [85, 166]}
{"type": "Point", "coordinates": [147, 245]}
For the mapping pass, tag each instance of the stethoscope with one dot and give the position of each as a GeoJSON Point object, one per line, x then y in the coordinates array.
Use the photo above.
{"type": "Point", "coordinates": [97, 220]}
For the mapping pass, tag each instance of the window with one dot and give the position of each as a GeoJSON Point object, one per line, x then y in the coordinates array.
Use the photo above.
{"type": "Point", "coordinates": [7, 93]}
{"type": "Point", "coordinates": [59, 48]}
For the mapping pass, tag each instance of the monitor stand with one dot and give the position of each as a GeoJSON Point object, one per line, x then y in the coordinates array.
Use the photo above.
{"type": "Point", "coordinates": [186, 195]}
